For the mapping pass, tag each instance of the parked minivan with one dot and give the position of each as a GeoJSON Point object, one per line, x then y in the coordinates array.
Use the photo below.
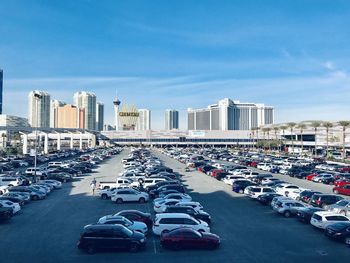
{"type": "Point", "coordinates": [99, 237]}
{"type": "Point", "coordinates": [168, 221]}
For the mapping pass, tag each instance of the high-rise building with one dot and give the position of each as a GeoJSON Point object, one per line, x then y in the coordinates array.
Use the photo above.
{"type": "Point", "coordinates": [39, 109]}
{"type": "Point", "coordinates": [116, 104]}
{"type": "Point", "coordinates": [53, 112]}
{"type": "Point", "coordinates": [144, 120]}
{"type": "Point", "coordinates": [99, 116]}
{"type": "Point", "coordinates": [1, 86]}
{"type": "Point", "coordinates": [171, 119]}
{"type": "Point", "coordinates": [87, 101]}
{"type": "Point", "coordinates": [70, 117]}
{"type": "Point", "coordinates": [230, 115]}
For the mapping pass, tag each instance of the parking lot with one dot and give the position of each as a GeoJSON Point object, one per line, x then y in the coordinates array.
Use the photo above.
{"type": "Point", "coordinates": [48, 231]}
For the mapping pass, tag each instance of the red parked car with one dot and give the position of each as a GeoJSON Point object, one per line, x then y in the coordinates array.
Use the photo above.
{"type": "Point", "coordinates": [344, 190]}
{"type": "Point", "coordinates": [344, 169]}
{"type": "Point", "coordinates": [311, 176]}
{"type": "Point", "coordinates": [341, 183]}
{"type": "Point", "coordinates": [135, 215]}
{"type": "Point", "coordinates": [215, 172]}
{"type": "Point", "coordinates": [189, 238]}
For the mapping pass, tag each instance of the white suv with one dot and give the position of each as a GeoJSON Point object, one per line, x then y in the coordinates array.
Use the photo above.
{"type": "Point", "coordinates": [287, 207]}
{"type": "Point", "coordinates": [129, 195]}
{"type": "Point", "coordinates": [166, 222]}
{"type": "Point", "coordinates": [323, 219]}
{"type": "Point", "coordinates": [255, 191]}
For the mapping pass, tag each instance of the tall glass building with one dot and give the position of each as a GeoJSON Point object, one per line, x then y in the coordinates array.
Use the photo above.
{"type": "Point", "coordinates": [230, 115]}
{"type": "Point", "coordinates": [171, 119]}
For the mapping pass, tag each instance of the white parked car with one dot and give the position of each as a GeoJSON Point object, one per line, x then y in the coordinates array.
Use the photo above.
{"type": "Point", "coordinates": [263, 166]}
{"type": "Point", "coordinates": [285, 188]}
{"type": "Point", "coordinates": [168, 221]}
{"type": "Point", "coordinates": [160, 206]}
{"type": "Point", "coordinates": [177, 196]}
{"type": "Point", "coordinates": [15, 206]}
{"type": "Point", "coordinates": [10, 181]}
{"type": "Point", "coordinates": [195, 205]}
{"type": "Point", "coordinates": [39, 171]}
{"type": "Point", "coordinates": [323, 219]}
{"type": "Point", "coordinates": [148, 182]}
{"type": "Point", "coordinates": [129, 195]}
{"type": "Point", "coordinates": [255, 191]}
{"type": "Point", "coordinates": [121, 220]}
{"type": "Point", "coordinates": [230, 179]}
{"type": "Point", "coordinates": [288, 207]}
{"type": "Point", "coordinates": [268, 180]}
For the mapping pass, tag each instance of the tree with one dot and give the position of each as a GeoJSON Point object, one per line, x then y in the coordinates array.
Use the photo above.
{"type": "Point", "coordinates": [254, 130]}
{"type": "Point", "coordinates": [344, 125]}
{"type": "Point", "coordinates": [267, 132]}
{"type": "Point", "coordinates": [327, 125]}
{"type": "Point", "coordinates": [276, 129]}
{"type": "Point", "coordinates": [315, 125]}
{"type": "Point", "coordinates": [302, 127]}
{"type": "Point", "coordinates": [291, 126]}
{"type": "Point", "coordinates": [283, 129]}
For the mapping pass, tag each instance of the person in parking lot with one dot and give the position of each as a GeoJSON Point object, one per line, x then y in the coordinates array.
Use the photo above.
{"type": "Point", "coordinates": [93, 186]}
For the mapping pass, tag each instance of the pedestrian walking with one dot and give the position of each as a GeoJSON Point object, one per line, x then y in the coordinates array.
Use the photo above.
{"type": "Point", "coordinates": [93, 186]}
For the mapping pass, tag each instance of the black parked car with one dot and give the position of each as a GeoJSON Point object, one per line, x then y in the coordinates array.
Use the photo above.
{"type": "Point", "coordinates": [110, 237]}
{"type": "Point", "coordinates": [201, 215]}
{"type": "Point", "coordinates": [322, 200]}
{"type": "Point", "coordinates": [306, 195]}
{"type": "Point", "coordinates": [177, 187]}
{"type": "Point", "coordinates": [266, 199]}
{"type": "Point", "coordinates": [5, 212]}
{"type": "Point", "coordinates": [304, 214]}
{"type": "Point", "coordinates": [59, 176]}
{"type": "Point", "coordinates": [339, 231]}
{"type": "Point", "coordinates": [160, 184]}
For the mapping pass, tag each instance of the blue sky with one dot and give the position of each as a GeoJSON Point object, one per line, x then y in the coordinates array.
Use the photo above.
{"type": "Point", "coordinates": [179, 54]}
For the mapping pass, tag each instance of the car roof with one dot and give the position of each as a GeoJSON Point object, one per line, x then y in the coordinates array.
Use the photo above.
{"type": "Point", "coordinates": [328, 213]}
{"type": "Point", "coordinates": [172, 215]}
{"type": "Point", "coordinates": [100, 226]}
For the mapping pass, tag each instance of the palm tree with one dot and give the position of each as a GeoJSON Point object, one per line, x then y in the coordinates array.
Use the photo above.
{"type": "Point", "coordinates": [254, 131]}
{"type": "Point", "coordinates": [276, 129]}
{"type": "Point", "coordinates": [267, 131]}
{"type": "Point", "coordinates": [315, 125]}
{"type": "Point", "coordinates": [283, 129]}
{"type": "Point", "coordinates": [302, 127]}
{"type": "Point", "coordinates": [344, 125]}
{"type": "Point", "coordinates": [291, 126]}
{"type": "Point", "coordinates": [327, 125]}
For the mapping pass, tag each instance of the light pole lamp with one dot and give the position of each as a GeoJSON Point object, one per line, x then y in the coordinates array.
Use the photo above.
{"type": "Point", "coordinates": [37, 97]}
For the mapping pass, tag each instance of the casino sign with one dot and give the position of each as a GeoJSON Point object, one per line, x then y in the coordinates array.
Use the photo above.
{"type": "Point", "coordinates": [128, 117]}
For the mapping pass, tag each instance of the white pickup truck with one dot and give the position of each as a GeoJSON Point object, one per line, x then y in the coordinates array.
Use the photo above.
{"type": "Point", "coordinates": [114, 184]}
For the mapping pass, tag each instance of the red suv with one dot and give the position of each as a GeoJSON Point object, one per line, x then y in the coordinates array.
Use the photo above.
{"type": "Point", "coordinates": [341, 183]}
{"type": "Point", "coordinates": [345, 190]}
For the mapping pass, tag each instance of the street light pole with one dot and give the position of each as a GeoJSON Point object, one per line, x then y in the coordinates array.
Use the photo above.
{"type": "Point", "coordinates": [37, 97]}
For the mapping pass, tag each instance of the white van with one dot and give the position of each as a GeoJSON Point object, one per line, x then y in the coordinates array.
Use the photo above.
{"type": "Point", "coordinates": [168, 221]}
{"type": "Point", "coordinates": [10, 181]}
{"type": "Point", "coordinates": [54, 164]}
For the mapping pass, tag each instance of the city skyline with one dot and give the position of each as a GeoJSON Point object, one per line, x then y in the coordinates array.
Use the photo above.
{"type": "Point", "coordinates": [289, 55]}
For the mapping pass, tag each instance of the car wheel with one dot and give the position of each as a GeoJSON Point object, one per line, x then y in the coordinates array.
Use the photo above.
{"type": "Point", "coordinates": [342, 213]}
{"type": "Point", "coordinates": [90, 250]}
{"type": "Point", "coordinates": [287, 213]}
{"type": "Point", "coordinates": [134, 247]}
{"type": "Point", "coordinates": [336, 191]}
{"type": "Point", "coordinates": [119, 201]}
{"type": "Point", "coordinates": [104, 196]}
{"type": "Point", "coordinates": [241, 191]}
{"type": "Point", "coordinates": [142, 200]}
{"type": "Point", "coordinates": [35, 197]}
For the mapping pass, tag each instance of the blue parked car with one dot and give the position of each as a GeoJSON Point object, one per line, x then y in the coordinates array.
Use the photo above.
{"type": "Point", "coordinates": [240, 185]}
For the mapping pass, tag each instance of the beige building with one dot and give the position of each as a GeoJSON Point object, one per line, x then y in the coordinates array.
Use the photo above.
{"type": "Point", "coordinates": [70, 116]}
